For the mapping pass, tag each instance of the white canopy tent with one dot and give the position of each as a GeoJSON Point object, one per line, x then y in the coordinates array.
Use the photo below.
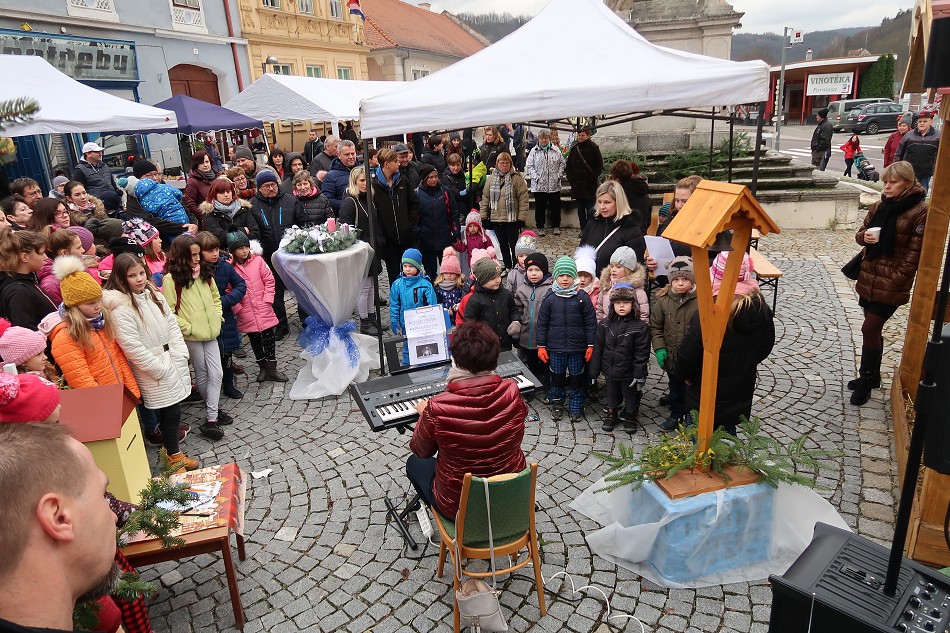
{"type": "Point", "coordinates": [288, 98]}
{"type": "Point", "coordinates": [603, 67]}
{"type": "Point", "coordinates": [67, 106]}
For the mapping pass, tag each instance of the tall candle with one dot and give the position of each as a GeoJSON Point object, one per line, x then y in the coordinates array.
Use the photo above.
{"type": "Point", "coordinates": [331, 225]}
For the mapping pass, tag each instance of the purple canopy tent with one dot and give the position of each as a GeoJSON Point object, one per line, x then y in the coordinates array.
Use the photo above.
{"type": "Point", "coordinates": [196, 116]}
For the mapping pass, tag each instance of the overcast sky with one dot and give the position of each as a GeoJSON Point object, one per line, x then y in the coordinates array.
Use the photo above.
{"type": "Point", "coordinates": [760, 15]}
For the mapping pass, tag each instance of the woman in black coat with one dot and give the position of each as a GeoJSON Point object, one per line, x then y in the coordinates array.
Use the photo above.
{"type": "Point", "coordinates": [637, 190]}
{"type": "Point", "coordinates": [355, 212]}
{"type": "Point", "coordinates": [749, 339]}
{"type": "Point", "coordinates": [613, 225]}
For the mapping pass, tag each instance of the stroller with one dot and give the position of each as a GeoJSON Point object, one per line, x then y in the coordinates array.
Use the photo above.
{"type": "Point", "coordinates": [866, 170]}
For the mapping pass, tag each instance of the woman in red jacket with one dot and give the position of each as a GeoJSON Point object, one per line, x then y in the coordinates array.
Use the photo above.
{"type": "Point", "coordinates": [851, 147]}
{"type": "Point", "coordinates": [476, 425]}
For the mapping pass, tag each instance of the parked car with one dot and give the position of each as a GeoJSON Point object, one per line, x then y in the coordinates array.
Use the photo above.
{"type": "Point", "coordinates": [873, 118]}
{"type": "Point", "coordinates": [838, 110]}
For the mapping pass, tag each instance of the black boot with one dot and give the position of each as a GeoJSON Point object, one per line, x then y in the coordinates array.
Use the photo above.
{"type": "Point", "coordinates": [610, 421]}
{"type": "Point", "coordinates": [271, 373]}
{"type": "Point", "coordinates": [870, 369]}
{"type": "Point", "coordinates": [227, 385]}
{"type": "Point", "coordinates": [262, 376]}
{"type": "Point", "coordinates": [557, 409]}
{"type": "Point", "coordinates": [368, 327]}
{"type": "Point", "coordinates": [631, 421]}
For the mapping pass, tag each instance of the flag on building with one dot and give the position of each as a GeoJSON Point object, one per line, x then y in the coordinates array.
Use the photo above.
{"type": "Point", "coordinates": [355, 9]}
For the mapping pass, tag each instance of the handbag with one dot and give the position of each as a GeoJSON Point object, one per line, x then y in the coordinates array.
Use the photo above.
{"type": "Point", "coordinates": [853, 267]}
{"type": "Point", "coordinates": [477, 602]}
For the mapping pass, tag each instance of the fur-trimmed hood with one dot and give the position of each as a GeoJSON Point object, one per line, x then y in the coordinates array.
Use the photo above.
{"type": "Point", "coordinates": [637, 278]}
{"type": "Point", "coordinates": [208, 208]}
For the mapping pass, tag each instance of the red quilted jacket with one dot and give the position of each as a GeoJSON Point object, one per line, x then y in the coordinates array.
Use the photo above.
{"type": "Point", "coordinates": [476, 426]}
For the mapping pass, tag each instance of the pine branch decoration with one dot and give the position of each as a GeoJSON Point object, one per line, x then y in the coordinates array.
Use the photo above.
{"type": "Point", "coordinates": [17, 111]}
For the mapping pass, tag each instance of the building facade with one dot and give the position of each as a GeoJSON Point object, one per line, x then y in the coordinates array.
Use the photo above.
{"type": "Point", "coordinates": [139, 50]}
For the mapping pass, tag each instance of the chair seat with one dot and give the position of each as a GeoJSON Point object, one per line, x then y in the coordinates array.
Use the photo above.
{"type": "Point", "coordinates": [449, 528]}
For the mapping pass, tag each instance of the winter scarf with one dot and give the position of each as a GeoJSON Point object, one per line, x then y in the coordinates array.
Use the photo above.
{"type": "Point", "coordinates": [886, 216]}
{"type": "Point", "coordinates": [229, 209]}
{"type": "Point", "coordinates": [209, 175]}
{"type": "Point", "coordinates": [501, 185]}
{"type": "Point", "coordinates": [570, 291]}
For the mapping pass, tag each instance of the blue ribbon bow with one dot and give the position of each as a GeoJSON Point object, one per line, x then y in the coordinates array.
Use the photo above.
{"type": "Point", "coordinates": [316, 337]}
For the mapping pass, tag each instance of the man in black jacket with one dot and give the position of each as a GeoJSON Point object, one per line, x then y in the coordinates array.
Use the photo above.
{"type": "Point", "coordinates": [312, 147]}
{"type": "Point", "coordinates": [821, 141]}
{"type": "Point", "coordinates": [96, 177]}
{"type": "Point", "coordinates": [919, 148]}
{"type": "Point", "coordinates": [275, 212]}
{"type": "Point", "coordinates": [408, 168]}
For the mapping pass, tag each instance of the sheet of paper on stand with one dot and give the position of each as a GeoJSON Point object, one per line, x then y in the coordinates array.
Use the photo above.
{"type": "Point", "coordinates": [425, 335]}
{"type": "Point", "coordinates": [661, 250]}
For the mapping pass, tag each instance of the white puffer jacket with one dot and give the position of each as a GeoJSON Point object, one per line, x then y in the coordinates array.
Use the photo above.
{"type": "Point", "coordinates": [544, 168]}
{"type": "Point", "coordinates": [153, 345]}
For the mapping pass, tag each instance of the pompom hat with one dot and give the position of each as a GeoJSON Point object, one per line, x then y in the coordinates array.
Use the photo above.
{"type": "Point", "coordinates": [139, 230]}
{"type": "Point", "coordinates": [26, 398]}
{"type": "Point", "coordinates": [586, 259]}
{"type": "Point", "coordinates": [527, 243]}
{"type": "Point", "coordinates": [76, 284]}
{"type": "Point", "coordinates": [18, 344]}
{"type": "Point", "coordinates": [450, 262]}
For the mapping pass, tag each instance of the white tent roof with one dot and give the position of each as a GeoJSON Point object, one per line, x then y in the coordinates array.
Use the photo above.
{"type": "Point", "coordinates": [69, 106]}
{"type": "Point", "coordinates": [574, 58]}
{"type": "Point", "coordinates": [288, 98]}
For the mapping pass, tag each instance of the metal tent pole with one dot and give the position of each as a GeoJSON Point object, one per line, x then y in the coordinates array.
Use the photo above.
{"type": "Point", "coordinates": [732, 120]}
{"type": "Point", "coordinates": [758, 148]}
{"type": "Point", "coordinates": [712, 137]}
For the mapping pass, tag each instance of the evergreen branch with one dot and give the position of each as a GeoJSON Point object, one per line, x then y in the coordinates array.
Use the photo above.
{"type": "Point", "coordinates": [17, 111]}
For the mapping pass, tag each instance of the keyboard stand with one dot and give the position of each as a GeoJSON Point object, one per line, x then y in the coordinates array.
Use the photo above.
{"type": "Point", "coordinates": [399, 517]}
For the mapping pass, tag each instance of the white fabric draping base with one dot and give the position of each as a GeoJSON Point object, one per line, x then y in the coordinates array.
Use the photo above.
{"type": "Point", "coordinates": [629, 532]}
{"type": "Point", "coordinates": [327, 286]}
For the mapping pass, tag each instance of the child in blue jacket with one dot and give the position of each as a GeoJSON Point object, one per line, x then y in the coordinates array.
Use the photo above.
{"type": "Point", "coordinates": [410, 291]}
{"type": "Point", "coordinates": [566, 329]}
{"type": "Point", "coordinates": [161, 200]}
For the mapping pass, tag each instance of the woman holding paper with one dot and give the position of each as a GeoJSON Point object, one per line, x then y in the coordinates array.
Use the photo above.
{"type": "Point", "coordinates": [613, 225]}
{"type": "Point", "coordinates": [892, 235]}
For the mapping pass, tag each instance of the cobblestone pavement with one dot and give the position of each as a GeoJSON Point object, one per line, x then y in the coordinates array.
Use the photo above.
{"type": "Point", "coordinates": [321, 556]}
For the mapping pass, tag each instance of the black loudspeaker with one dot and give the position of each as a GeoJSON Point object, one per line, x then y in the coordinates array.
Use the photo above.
{"type": "Point", "coordinates": [937, 68]}
{"type": "Point", "coordinates": [937, 446]}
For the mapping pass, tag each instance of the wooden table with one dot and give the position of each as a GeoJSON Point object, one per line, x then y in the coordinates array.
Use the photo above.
{"type": "Point", "coordinates": [213, 533]}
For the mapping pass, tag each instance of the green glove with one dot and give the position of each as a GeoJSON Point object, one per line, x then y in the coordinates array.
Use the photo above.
{"type": "Point", "coordinates": [661, 356]}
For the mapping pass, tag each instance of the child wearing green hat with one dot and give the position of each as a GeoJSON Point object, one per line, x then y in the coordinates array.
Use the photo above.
{"type": "Point", "coordinates": [567, 325]}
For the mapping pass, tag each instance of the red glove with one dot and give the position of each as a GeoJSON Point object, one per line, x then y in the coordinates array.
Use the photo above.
{"type": "Point", "coordinates": [543, 355]}
{"type": "Point", "coordinates": [589, 354]}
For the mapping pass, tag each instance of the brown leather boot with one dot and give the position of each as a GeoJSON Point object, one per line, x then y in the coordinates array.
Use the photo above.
{"type": "Point", "coordinates": [181, 462]}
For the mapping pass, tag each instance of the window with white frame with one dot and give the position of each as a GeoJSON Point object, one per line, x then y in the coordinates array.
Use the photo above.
{"type": "Point", "coordinates": [305, 6]}
{"type": "Point", "coordinates": [281, 69]}
{"type": "Point", "coordinates": [188, 16]}
{"type": "Point", "coordinates": [95, 9]}
{"type": "Point", "coordinates": [314, 71]}
{"type": "Point", "coordinates": [273, 4]}
{"type": "Point", "coordinates": [418, 73]}
{"type": "Point", "coordinates": [187, 4]}
{"type": "Point", "coordinates": [336, 9]}
{"type": "Point", "coordinates": [343, 73]}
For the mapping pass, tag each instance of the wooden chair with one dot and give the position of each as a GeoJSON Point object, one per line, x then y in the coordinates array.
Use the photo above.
{"type": "Point", "coordinates": [512, 520]}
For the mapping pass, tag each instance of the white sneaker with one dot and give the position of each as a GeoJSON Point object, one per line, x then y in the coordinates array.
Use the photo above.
{"type": "Point", "coordinates": [557, 232]}
{"type": "Point", "coordinates": [540, 232]}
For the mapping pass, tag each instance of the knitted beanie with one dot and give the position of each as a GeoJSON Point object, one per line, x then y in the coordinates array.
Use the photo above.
{"type": "Point", "coordinates": [142, 167]}
{"type": "Point", "coordinates": [565, 266]}
{"type": "Point", "coordinates": [907, 119]}
{"type": "Point", "coordinates": [59, 180]}
{"type": "Point", "coordinates": [424, 170]}
{"type": "Point", "coordinates": [237, 239]}
{"type": "Point", "coordinates": [85, 236]}
{"type": "Point", "coordinates": [19, 344]}
{"type": "Point", "coordinates": [484, 270]}
{"type": "Point", "coordinates": [76, 285]}
{"type": "Point", "coordinates": [718, 268]}
{"type": "Point", "coordinates": [537, 259]}
{"type": "Point", "coordinates": [527, 243]}
{"type": "Point", "coordinates": [120, 245]}
{"type": "Point", "coordinates": [586, 259]}
{"type": "Point", "coordinates": [139, 230]}
{"type": "Point", "coordinates": [626, 257]}
{"type": "Point", "coordinates": [265, 176]}
{"type": "Point", "coordinates": [413, 257]}
{"type": "Point", "coordinates": [243, 151]}
{"type": "Point", "coordinates": [473, 218]}
{"type": "Point", "coordinates": [623, 292]}
{"type": "Point", "coordinates": [680, 267]}
{"type": "Point", "coordinates": [26, 398]}
{"type": "Point", "coordinates": [450, 262]}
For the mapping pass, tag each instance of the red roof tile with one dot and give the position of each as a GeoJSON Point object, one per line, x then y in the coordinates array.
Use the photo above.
{"type": "Point", "coordinates": [391, 23]}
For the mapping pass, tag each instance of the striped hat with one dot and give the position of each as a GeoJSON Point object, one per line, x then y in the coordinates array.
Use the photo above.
{"type": "Point", "coordinates": [413, 257]}
{"type": "Point", "coordinates": [564, 266]}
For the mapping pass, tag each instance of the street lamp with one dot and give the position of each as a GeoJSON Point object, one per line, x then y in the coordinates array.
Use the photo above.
{"type": "Point", "coordinates": [271, 60]}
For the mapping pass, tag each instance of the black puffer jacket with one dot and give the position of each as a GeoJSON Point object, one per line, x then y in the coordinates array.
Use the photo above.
{"type": "Point", "coordinates": [353, 211]}
{"type": "Point", "coordinates": [490, 152]}
{"type": "Point", "coordinates": [638, 197]}
{"type": "Point", "coordinates": [597, 230]}
{"type": "Point", "coordinates": [220, 223]}
{"type": "Point", "coordinates": [275, 215]}
{"type": "Point", "coordinates": [313, 210]}
{"type": "Point", "coordinates": [434, 158]}
{"type": "Point", "coordinates": [566, 324]}
{"type": "Point", "coordinates": [455, 183]}
{"type": "Point", "coordinates": [749, 339]}
{"type": "Point", "coordinates": [495, 308]}
{"type": "Point", "coordinates": [621, 348]}
{"type": "Point", "coordinates": [397, 209]}
{"type": "Point", "coordinates": [920, 150]}
{"type": "Point", "coordinates": [22, 302]}
{"type": "Point", "coordinates": [438, 224]}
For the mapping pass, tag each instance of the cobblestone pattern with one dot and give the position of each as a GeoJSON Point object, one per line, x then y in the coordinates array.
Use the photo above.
{"type": "Point", "coordinates": [321, 556]}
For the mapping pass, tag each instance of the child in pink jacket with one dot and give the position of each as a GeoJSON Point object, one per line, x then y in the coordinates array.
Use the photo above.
{"type": "Point", "coordinates": [473, 239]}
{"type": "Point", "coordinates": [255, 313]}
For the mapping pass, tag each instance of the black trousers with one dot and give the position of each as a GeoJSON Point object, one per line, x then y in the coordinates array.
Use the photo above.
{"type": "Point", "coordinates": [547, 205]}
{"type": "Point", "coordinates": [507, 233]}
{"type": "Point", "coordinates": [392, 257]}
{"type": "Point", "coordinates": [421, 473]}
{"type": "Point", "coordinates": [279, 292]}
{"type": "Point", "coordinates": [264, 344]}
{"type": "Point", "coordinates": [620, 392]}
{"type": "Point", "coordinates": [169, 418]}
